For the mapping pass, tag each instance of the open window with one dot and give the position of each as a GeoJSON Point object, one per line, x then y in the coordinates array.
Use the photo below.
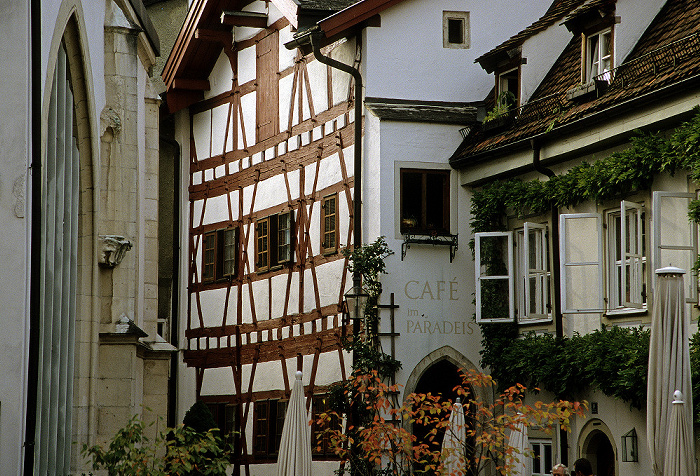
{"type": "Point", "coordinates": [494, 277]}
{"type": "Point", "coordinates": [532, 286]}
{"type": "Point", "coordinates": [425, 202]}
{"type": "Point", "coordinates": [274, 241]}
{"type": "Point", "coordinates": [598, 55]}
{"type": "Point", "coordinates": [581, 257]}
{"type": "Point", "coordinates": [626, 257]}
{"type": "Point", "coordinates": [676, 237]}
{"type": "Point", "coordinates": [508, 89]}
{"type": "Point", "coordinates": [220, 254]}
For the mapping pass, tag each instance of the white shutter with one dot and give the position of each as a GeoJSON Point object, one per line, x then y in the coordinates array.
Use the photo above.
{"type": "Point", "coordinates": [631, 253]}
{"type": "Point", "coordinates": [494, 277]}
{"type": "Point", "coordinates": [581, 258]}
{"type": "Point", "coordinates": [675, 237]}
{"type": "Point", "coordinates": [536, 273]}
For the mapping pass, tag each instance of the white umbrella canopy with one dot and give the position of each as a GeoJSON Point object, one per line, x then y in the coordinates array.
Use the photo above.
{"type": "Point", "coordinates": [679, 459]}
{"type": "Point", "coordinates": [669, 363]}
{"type": "Point", "coordinates": [454, 462]}
{"type": "Point", "coordinates": [294, 458]}
{"type": "Point", "coordinates": [517, 439]}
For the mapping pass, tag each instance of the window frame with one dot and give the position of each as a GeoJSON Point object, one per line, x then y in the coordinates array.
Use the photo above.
{"type": "Point", "coordinates": [500, 90]}
{"type": "Point", "coordinates": [267, 436]}
{"type": "Point", "coordinates": [326, 232]}
{"type": "Point", "coordinates": [319, 405]}
{"type": "Point", "coordinates": [691, 288]}
{"type": "Point", "coordinates": [270, 244]}
{"type": "Point", "coordinates": [421, 227]}
{"type": "Point", "coordinates": [527, 271]}
{"type": "Point", "coordinates": [479, 277]}
{"type": "Point", "coordinates": [588, 55]}
{"type": "Point", "coordinates": [463, 17]}
{"type": "Point", "coordinates": [617, 237]}
{"type": "Point", "coordinates": [544, 465]}
{"type": "Point", "coordinates": [566, 265]}
{"type": "Point", "coordinates": [214, 248]}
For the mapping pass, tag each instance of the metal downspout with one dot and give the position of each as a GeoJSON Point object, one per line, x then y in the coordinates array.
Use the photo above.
{"type": "Point", "coordinates": [357, 195]}
{"type": "Point", "coordinates": [556, 305]}
{"type": "Point", "coordinates": [174, 293]}
{"type": "Point", "coordinates": [35, 238]}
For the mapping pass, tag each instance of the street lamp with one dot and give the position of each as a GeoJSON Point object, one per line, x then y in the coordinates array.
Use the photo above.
{"type": "Point", "coordinates": [629, 446]}
{"type": "Point", "coordinates": [356, 300]}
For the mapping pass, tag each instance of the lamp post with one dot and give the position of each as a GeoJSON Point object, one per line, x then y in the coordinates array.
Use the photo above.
{"type": "Point", "coordinates": [356, 300]}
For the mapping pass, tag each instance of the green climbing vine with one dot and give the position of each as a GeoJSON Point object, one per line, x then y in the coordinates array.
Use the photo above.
{"type": "Point", "coordinates": [612, 359]}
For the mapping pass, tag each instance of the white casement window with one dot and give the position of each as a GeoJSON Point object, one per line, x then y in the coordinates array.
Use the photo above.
{"type": "Point", "coordinates": [626, 260]}
{"type": "Point", "coordinates": [532, 286]}
{"type": "Point", "coordinates": [581, 257]}
{"type": "Point", "coordinates": [542, 460]}
{"type": "Point", "coordinates": [675, 237]}
{"type": "Point", "coordinates": [598, 54]}
{"type": "Point", "coordinates": [494, 277]}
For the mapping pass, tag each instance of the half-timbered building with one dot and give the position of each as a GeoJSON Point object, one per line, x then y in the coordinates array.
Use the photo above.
{"type": "Point", "coordinates": [270, 121]}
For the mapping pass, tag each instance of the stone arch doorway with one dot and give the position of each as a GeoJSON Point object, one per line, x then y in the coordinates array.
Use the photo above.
{"type": "Point", "coordinates": [596, 443]}
{"type": "Point", "coordinates": [439, 373]}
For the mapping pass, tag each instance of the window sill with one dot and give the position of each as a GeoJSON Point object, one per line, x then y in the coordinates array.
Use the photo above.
{"type": "Point", "coordinates": [626, 312]}
{"type": "Point", "coordinates": [427, 239]}
{"type": "Point", "coordinates": [539, 320]}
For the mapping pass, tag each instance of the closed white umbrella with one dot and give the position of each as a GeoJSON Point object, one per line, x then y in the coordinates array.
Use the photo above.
{"type": "Point", "coordinates": [454, 463]}
{"type": "Point", "coordinates": [679, 459]}
{"type": "Point", "coordinates": [517, 439]}
{"type": "Point", "coordinates": [669, 363]}
{"type": "Point", "coordinates": [294, 458]}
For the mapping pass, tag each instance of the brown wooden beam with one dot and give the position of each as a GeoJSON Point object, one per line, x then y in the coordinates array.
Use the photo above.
{"type": "Point", "coordinates": [215, 36]}
{"type": "Point", "coordinates": [191, 84]}
{"type": "Point", "coordinates": [251, 19]}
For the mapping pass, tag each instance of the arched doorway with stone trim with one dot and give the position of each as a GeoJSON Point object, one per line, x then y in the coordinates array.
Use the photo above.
{"type": "Point", "coordinates": [62, 275]}
{"type": "Point", "coordinates": [597, 444]}
{"type": "Point", "coordinates": [439, 373]}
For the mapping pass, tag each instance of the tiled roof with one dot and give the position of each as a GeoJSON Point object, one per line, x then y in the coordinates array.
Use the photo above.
{"type": "Point", "coordinates": [667, 53]}
{"type": "Point", "coordinates": [556, 12]}
{"type": "Point", "coordinates": [326, 5]}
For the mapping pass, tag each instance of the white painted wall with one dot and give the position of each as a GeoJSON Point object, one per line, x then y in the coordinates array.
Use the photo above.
{"type": "Point", "coordinates": [541, 52]}
{"type": "Point", "coordinates": [405, 59]}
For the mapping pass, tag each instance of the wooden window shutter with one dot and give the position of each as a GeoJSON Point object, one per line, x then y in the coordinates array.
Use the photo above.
{"type": "Point", "coordinates": [267, 91]}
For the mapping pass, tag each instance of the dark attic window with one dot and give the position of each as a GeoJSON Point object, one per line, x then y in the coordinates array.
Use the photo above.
{"type": "Point", "coordinates": [455, 29]}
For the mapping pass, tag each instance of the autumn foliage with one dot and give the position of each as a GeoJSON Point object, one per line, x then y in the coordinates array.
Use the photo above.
{"type": "Point", "coordinates": [383, 442]}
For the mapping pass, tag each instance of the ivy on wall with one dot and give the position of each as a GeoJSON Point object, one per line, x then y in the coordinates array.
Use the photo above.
{"type": "Point", "coordinates": [614, 359]}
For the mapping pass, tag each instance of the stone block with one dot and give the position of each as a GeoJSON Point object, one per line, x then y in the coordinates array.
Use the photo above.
{"type": "Point", "coordinates": [117, 361]}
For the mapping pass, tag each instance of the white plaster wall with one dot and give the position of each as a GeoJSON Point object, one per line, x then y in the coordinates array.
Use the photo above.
{"type": "Point", "coordinates": [541, 51]}
{"type": "Point", "coordinates": [14, 136]}
{"type": "Point", "coordinates": [419, 67]}
{"type": "Point", "coordinates": [635, 17]}
{"type": "Point", "coordinates": [434, 296]}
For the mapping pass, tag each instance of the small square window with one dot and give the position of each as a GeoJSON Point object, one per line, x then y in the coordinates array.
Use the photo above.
{"type": "Point", "coordinates": [425, 202]}
{"type": "Point", "coordinates": [455, 30]}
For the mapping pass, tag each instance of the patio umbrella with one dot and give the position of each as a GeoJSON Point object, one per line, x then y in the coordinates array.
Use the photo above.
{"type": "Point", "coordinates": [669, 363]}
{"type": "Point", "coordinates": [453, 444]}
{"type": "Point", "coordinates": [517, 439]}
{"type": "Point", "coordinates": [294, 458]}
{"type": "Point", "coordinates": [679, 459]}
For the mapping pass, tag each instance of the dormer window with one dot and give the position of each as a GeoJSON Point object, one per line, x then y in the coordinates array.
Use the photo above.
{"type": "Point", "coordinates": [598, 55]}
{"type": "Point", "coordinates": [508, 94]}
